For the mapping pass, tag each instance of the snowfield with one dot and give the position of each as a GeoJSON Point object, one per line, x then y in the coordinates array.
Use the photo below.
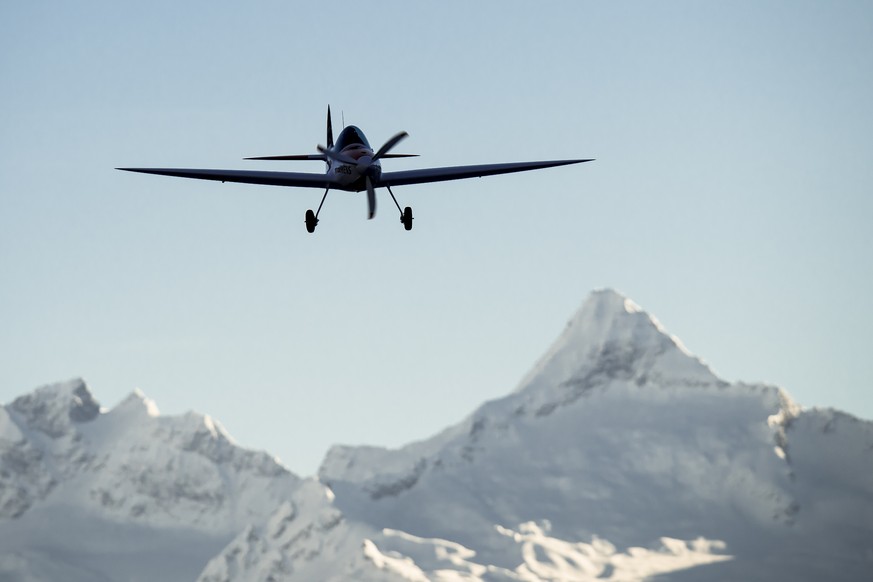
{"type": "Point", "coordinates": [620, 456]}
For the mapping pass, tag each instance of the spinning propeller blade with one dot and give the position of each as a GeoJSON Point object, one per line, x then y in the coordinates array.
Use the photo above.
{"type": "Point", "coordinates": [389, 145]}
{"type": "Point", "coordinates": [371, 199]}
{"type": "Point", "coordinates": [386, 147]}
{"type": "Point", "coordinates": [337, 156]}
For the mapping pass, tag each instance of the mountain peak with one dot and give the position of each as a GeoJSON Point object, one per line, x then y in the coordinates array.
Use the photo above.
{"type": "Point", "coordinates": [608, 299]}
{"type": "Point", "coordinates": [136, 403]}
{"type": "Point", "coordinates": [609, 344]}
{"type": "Point", "coordinates": [51, 408]}
{"type": "Point", "coordinates": [608, 316]}
{"type": "Point", "coordinates": [615, 311]}
{"type": "Point", "coordinates": [611, 336]}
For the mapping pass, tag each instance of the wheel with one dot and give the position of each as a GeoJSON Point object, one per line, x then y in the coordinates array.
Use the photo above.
{"type": "Point", "coordinates": [311, 221]}
{"type": "Point", "coordinates": [406, 219]}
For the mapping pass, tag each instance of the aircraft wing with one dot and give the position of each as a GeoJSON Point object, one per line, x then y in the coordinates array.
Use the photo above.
{"type": "Point", "coordinates": [461, 172]}
{"type": "Point", "coordinates": [300, 179]}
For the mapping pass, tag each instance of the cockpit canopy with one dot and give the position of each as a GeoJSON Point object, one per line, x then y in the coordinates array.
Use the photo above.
{"type": "Point", "coordinates": [351, 136]}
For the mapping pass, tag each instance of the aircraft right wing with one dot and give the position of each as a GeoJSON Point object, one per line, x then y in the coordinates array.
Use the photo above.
{"type": "Point", "coordinates": [299, 179]}
{"type": "Point", "coordinates": [462, 172]}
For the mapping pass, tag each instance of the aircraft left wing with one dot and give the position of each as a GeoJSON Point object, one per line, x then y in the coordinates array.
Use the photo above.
{"type": "Point", "coordinates": [299, 179]}
{"type": "Point", "coordinates": [461, 172]}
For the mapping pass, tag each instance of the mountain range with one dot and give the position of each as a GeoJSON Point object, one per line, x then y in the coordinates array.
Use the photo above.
{"type": "Point", "coordinates": [620, 456]}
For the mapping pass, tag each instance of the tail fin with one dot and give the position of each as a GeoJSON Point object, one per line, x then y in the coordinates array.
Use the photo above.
{"type": "Point", "coordinates": [329, 129]}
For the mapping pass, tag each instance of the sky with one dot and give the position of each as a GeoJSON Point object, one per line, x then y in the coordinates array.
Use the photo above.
{"type": "Point", "coordinates": [730, 198]}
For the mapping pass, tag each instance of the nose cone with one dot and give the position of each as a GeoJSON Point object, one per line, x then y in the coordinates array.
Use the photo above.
{"type": "Point", "coordinates": [364, 162]}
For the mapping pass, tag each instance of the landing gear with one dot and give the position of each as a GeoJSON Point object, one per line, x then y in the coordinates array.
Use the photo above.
{"type": "Point", "coordinates": [406, 218]}
{"type": "Point", "coordinates": [312, 217]}
{"type": "Point", "coordinates": [405, 214]}
{"type": "Point", "coordinates": [311, 221]}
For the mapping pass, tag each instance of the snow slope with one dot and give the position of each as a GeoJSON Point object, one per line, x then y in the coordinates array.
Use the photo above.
{"type": "Point", "coordinates": [620, 456]}
{"type": "Point", "coordinates": [125, 493]}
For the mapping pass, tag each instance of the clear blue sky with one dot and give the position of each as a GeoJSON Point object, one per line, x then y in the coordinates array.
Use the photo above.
{"type": "Point", "coordinates": [731, 197]}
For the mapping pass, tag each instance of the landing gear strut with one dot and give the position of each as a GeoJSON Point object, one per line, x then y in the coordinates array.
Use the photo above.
{"type": "Point", "coordinates": [405, 214]}
{"type": "Point", "coordinates": [312, 217]}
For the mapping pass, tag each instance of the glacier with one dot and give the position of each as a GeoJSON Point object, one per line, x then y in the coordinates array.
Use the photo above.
{"type": "Point", "coordinates": [619, 456]}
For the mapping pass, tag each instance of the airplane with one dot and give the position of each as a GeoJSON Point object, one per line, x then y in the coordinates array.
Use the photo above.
{"type": "Point", "coordinates": [353, 166]}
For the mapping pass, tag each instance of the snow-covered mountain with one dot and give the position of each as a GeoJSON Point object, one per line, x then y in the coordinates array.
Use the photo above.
{"type": "Point", "coordinates": [123, 494]}
{"type": "Point", "coordinates": [620, 456]}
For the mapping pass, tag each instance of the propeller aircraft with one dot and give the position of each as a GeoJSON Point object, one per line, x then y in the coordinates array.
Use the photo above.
{"type": "Point", "coordinates": [353, 166]}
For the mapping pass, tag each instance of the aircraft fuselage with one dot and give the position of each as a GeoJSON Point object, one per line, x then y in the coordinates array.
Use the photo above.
{"type": "Point", "coordinates": [352, 143]}
{"type": "Point", "coordinates": [347, 176]}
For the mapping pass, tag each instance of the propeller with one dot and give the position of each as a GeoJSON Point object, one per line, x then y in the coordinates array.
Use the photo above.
{"type": "Point", "coordinates": [371, 198]}
{"type": "Point", "coordinates": [338, 156]}
{"type": "Point", "coordinates": [363, 164]}
{"type": "Point", "coordinates": [389, 145]}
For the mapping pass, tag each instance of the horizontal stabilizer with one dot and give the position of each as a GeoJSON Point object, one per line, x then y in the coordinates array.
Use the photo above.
{"type": "Point", "coordinates": [321, 157]}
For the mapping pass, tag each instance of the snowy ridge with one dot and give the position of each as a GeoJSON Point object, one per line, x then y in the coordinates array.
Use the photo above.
{"type": "Point", "coordinates": [609, 341]}
{"type": "Point", "coordinates": [620, 434]}
{"type": "Point", "coordinates": [610, 337]}
{"type": "Point", "coordinates": [539, 557]}
{"type": "Point", "coordinates": [39, 445]}
{"type": "Point", "coordinates": [306, 538]}
{"type": "Point", "coordinates": [67, 462]}
{"type": "Point", "coordinates": [620, 456]}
